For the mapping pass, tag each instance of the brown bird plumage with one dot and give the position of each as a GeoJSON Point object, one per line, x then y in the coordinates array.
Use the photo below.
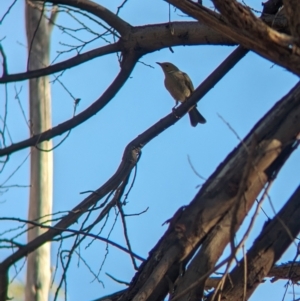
{"type": "Point", "coordinates": [180, 87]}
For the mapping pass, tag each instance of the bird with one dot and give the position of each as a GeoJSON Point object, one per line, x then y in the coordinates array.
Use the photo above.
{"type": "Point", "coordinates": [180, 87]}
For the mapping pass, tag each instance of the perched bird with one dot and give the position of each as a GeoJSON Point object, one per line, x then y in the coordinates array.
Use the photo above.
{"type": "Point", "coordinates": [180, 87]}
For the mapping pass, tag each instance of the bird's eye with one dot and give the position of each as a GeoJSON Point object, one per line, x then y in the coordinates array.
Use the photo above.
{"type": "Point", "coordinates": [167, 65]}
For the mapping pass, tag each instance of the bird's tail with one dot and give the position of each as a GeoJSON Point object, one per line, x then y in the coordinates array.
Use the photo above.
{"type": "Point", "coordinates": [196, 117]}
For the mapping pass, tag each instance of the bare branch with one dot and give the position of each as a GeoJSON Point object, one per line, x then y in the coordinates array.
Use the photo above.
{"type": "Point", "coordinates": [219, 194]}
{"type": "Point", "coordinates": [4, 61]}
{"type": "Point", "coordinates": [98, 10]}
{"type": "Point", "coordinates": [125, 231]}
{"type": "Point", "coordinates": [246, 29]}
{"type": "Point", "coordinates": [7, 11]}
{"type": "Point", "coordinates": [267, 249]}
{"type": "Point", "coordinates": [117, 280]}
{"type": "Point", "coordinates": [271, 7]}
{"type": "Point", "coordinates": [189, 33]}
{"type": "Point", "coordinates": [131, 152]}
{"type": "Point", "coordinates": [80, 118]}
{"type": "Point", "coordinates": [72, 62]}
{"type": "Point", "coordinates": [111, 297]}
{"type": "Point", "coordinates": [112, 90]}
{"type": "Point", "coordinates": [129, 160]}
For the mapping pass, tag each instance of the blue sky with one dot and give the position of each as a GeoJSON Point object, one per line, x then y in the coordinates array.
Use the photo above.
{"type": "Point", "coordinates": [165, 180]}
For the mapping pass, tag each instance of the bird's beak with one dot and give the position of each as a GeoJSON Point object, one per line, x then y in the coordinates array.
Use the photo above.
{"type": "Point", "coordinates": [158, 63]}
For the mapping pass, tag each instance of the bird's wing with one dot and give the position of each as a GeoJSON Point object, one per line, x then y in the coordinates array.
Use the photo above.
{"type": "Point", "coordinates": [188, 81]}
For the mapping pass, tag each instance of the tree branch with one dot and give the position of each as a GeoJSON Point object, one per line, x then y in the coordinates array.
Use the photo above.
{"type": "Point", "coordinates": [111, 91]}
{"type": "Point", "coordinates": [131, 151]}
{"type": "Point", "coordinates": [271, 7]}
{"type": "Point", "coordinates": [149, 38]}
{"type": "Point", "coordinates": [72, 62]}
{"type": "Point", "coordinates": [292, 11]}
{"type": "Point", "coordinates": [247, 30]}
{"type": "Point", "coordinates": [212, 248]}
{"type": "Point", "coordinates": [273, 134]}
{"type": "Point", "coordinates": [98, 10]}
{"type": "Point", "coordinates": [266, 250]}
{"type": "Point", "coordinates": [129, 160]}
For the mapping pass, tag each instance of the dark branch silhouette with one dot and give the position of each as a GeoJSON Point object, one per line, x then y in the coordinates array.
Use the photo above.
{"type": "Point", "coordinates": [247, 30]}
{"type": "Point", "coordinates": [199, 232]}
{"type": "Point", "coordinates": [72, 62]}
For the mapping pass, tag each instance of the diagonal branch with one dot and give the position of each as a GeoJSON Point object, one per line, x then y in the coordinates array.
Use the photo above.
{"type": "Point", "coordinates": [203, 88]}
{"type": "Point", "coordinates": [266, 250]}
{"type": "Point", "coordinates": [131, 153]}
{"type": "Point", "coordinates": [216, 241]}
{"type": "Point", "coordinates": [212, 248]}
{"type": "Point", "coordinates": [247, 30]}
{"type": "Point", "coordinates": [273, 134]}
{"type": "Point", "coordinates": [127, 67]}
{"type": "Point", "coordinates": [129, 160]}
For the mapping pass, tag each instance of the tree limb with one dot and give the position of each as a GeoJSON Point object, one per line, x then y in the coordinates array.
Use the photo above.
{"type": "Point", "coordinates": [98, 10]}
{"type": "Point", "coordinates": [111, 91]}
{"type": "Point", "coordinates": [292, 11]}
{"type": "Point", "coordinates": [272, 134]}
{"type": "Point", "coordinates": [266, 250]}
{"type": "Point", "coordinates": [69, 63]}
{"type": "Point", "coordinates": [246, 29]}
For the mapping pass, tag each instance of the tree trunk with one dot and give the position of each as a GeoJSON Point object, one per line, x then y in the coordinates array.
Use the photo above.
{"type": "Point", "coordinates": [41, 162]}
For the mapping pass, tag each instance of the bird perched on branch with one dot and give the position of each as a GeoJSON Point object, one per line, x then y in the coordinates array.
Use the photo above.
{"type": "Point", "coordinates": [180, 87]}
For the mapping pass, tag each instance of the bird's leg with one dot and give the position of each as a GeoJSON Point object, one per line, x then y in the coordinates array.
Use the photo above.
{"type": "Point", "coordinates": [173, 109]}
{"type": "Point", "coordinates": [176, 104]}
{"type": "Point", "coordinates": [175, 114]}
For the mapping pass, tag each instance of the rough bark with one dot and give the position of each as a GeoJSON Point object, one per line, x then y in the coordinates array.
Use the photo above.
{"type": "Point", "coordinates": [241, 25]}
{"type": "Point", "coordinates": [217, 211]}
{"type": "Point", "coordinates": [227, 196]}
{"type": "Point", "coordinates": [292, 11]}
{"type": "Point", "coordinates": [274, 239]}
